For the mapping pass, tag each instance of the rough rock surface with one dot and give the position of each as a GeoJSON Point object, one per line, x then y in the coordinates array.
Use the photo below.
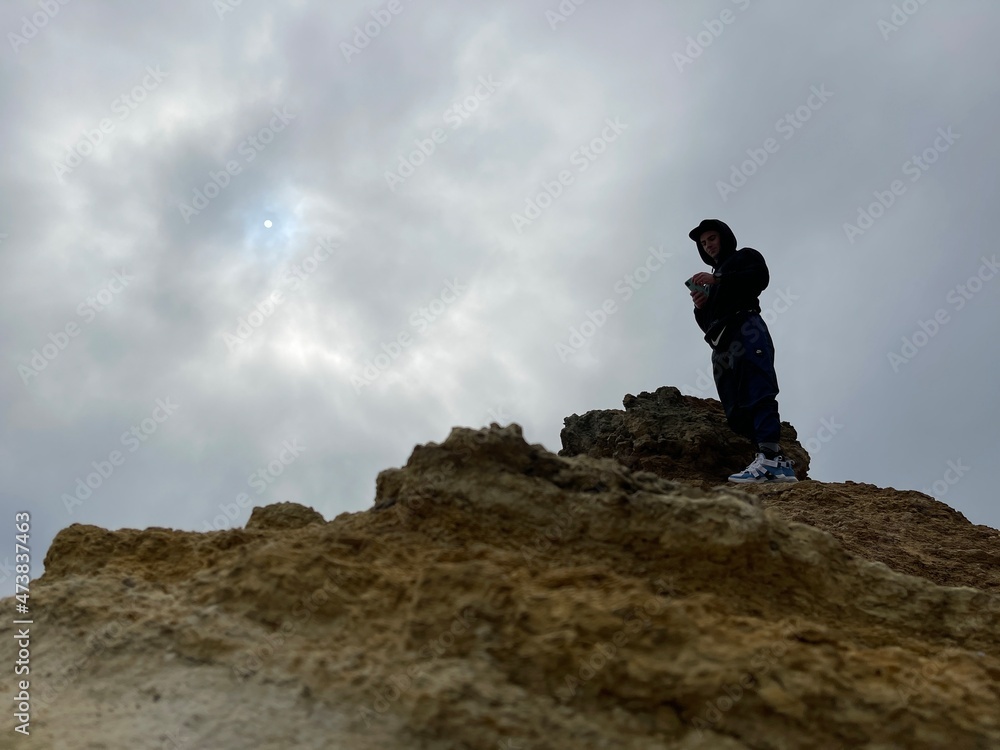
{"type": "Point", "coordinates": [684, 437]}
{"type": "Point", "coordinates": [283, 516]}
{"type": "Point", "coordinates": [672, 435]}
{"type": "Point", "coordinates": [500, 596]}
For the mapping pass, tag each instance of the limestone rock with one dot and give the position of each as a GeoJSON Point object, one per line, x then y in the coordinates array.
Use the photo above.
{"type": "Point", "coordinates": [684, 437]}
{"type": "Point", "coordinates": [283, 516]}
{"type": "Point", "coordinates": [500, 596]}
{"type": "Point", "coordinates": [670, 434]}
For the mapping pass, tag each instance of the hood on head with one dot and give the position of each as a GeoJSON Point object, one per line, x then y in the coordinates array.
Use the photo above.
{"type": "Point", "coordinates": [727, 244]}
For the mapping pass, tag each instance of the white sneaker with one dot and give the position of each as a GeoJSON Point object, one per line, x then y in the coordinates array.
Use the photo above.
{"type": "Point", "coordinates": [763, 470]}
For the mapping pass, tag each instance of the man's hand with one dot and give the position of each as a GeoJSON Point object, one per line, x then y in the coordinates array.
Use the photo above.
{"type": "Point", "coordinates": [699, 299]}
{"type": "Point", "coordinates": [705, 279]}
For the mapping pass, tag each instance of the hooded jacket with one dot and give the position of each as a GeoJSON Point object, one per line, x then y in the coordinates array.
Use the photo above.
{"type": "Point", "coordinates": [741, 275]}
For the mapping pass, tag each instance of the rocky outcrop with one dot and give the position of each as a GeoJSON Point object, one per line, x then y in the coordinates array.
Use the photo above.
{"type": "Point", "coordinates": [283, 516]}
{"type": "Point", "coordinates": [672, 435]}
{"type": "Point", "coordinates": [684, 437]}
{"type": "Point", "coordinates": [500, 596]}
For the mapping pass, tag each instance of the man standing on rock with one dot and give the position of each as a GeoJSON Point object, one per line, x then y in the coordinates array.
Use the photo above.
{"type": "Point", "coordinates": [728, 311]}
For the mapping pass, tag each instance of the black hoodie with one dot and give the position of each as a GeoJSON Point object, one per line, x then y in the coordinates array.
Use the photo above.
{"type": "Point", "coordinates": [741, 276]}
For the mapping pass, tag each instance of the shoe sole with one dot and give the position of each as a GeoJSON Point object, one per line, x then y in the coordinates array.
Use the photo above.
{"type": "Point", "coordinates": [776, 479]}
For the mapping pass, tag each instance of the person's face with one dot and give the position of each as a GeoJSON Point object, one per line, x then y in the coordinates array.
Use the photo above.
{"type": "Point", "coordinates": [710, 243]}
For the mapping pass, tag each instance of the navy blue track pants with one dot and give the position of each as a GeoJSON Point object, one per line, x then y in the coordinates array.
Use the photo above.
{"type": "Point", "coordinates": [743, 367]}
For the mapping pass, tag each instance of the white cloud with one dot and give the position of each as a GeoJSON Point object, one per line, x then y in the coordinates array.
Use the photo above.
{"type": "Point", "coordinates": [491, 352]}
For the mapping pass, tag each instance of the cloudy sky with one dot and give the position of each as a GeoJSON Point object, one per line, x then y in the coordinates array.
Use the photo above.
{"type": "Point", "coordinates": [250, 255]}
